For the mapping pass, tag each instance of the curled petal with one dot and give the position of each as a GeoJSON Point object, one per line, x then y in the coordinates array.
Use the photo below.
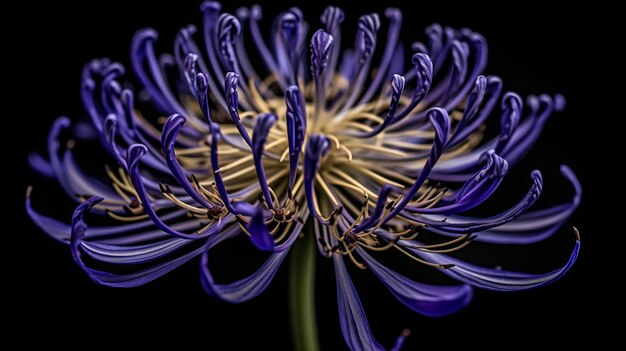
{"type": "Point", "coordinates": [512, 106]}
{"type": "Point", "coordinates": [424, 74]}
{"type": "Point", "coordinates": [60, 124]}
{"type": "Point", "coordinates": [321, 47]}
{"type": "Point", "coordinates": [450, 225]}
{"type": "Point", "coordinates": [138, 278]}
{"type": "Point", "coordinates": [110, 127]}
{"type": "Point", "coordinates": [498, 279]}
{"type": "Point", "coordinates": [296, 129]}
{"type": "Point", "coordinates": [264, 122]}
{"type": "Point", "coordinates": [217, 176]}
{"type": "Point", "coordinates": [168, 139]}
{"type": "Point", "coordinates": [332, 18]}
{"type": "Point", "coordinates": [289, 38]}
{"type": "Point", "coordinates": [116, 234]}
{"type": "Point", "coordinates": [134, 155]}
{"type": "Point", "coordinates": [232, 100]}
{"type": "Point", "coordinates": [142, 57]}
{"type": "Point", "coordinates": [531, 126]}
{"type": "Point", "coordinates": [441, 124]}
{"type": "Point", "coordinates": [534, 226]}
{"type": "Point", "coordinates": [471, 108]}
{"type": "Point", "coordinates": [366, 37]}
{"type": "Point", "coordinates": [395, 24]}
{"type": "Point", "coordinates": [478, 188]}
{"type": "Point", "coordinates": [228, 28]}
{"type": "Point", "coordinates": [317, 147]}
{"type": "Point", "coordinates": [397, 87]}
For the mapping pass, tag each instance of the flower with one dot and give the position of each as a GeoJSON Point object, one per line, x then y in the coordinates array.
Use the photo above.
{"type": "Point", "coordinates": [352, 144]}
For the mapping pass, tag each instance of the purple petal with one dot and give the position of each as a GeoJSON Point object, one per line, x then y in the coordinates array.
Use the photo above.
{"type": "Point", "coordinates": [228, 28]}
{"type": "Point", "coordinates": [259, 234]}
{"type": "Point", "coordinates": [471, 108]}
{"type": "Point", "coordinates": [477, 189]}
{"type": "Point", "coordinates": [142, 57]}
{"type": "Point", "coordinates": [135, 152]}
{"type": "Point", "coordinates": [364, 47]}
{"type": "Point", "coordinates": [441, 124]}
{"type": "Point", "coordinates": [168, 140]}
{"type": "Point", "coordinates": [244, 289]}
{"type": "Point", "coordinates": [477, 54]}
{"type": "Point", "coordinates": [462, 167]}
{"type": "Point", "coordinates": [512, 106]}
{"type": "Point", "coordinates": [210, 14]}
{"type": "Point", "coordinates": [59, 124]}
{"type": "Point", "coordinates": [317, 147]}
{"type": "Point", "coordinates": [289, 38]}
{"type": "Point", "coordinates": [110, 131]}
{"type": "Point", "coordinates": [395, 18]}
{"type": "Point", "coordinates": [454, 225]}
{"type": "Point", "coordinates": [219, 183]}
{"type": "Point", "coordinates": [528, 132]}
{"type": "Point", "coordinates": [132, 254]}
{"type": "Point", "coordinates": [332, 18]}
{"type": "Point", "coordinates": [264, 123]}
{"type": "Point", "coordinates": [538, 225]}
{"type": "Point", "coordinates": [265, 53]}
{"type": "Point", "coordinates": [496, 279]}
{"type": "Point", "coordinates": [117, 234]}
{"type": "Point", "coordinates": [138, 278]}
{"type": "Point", "coordinates": [366, 37]}
{"type": "Point", "coordinates": [232, 100]}
{"type": "Point", "coordinates": [82, 183]}
{"type": "Point", "coordinates": [354, 324]}
{"type": "Point", "coordinates": [383, 195]}
{"type": "Point", "coordinates": [429, 300]}
{"type": "Point", "coordinates": [397, 87]}
{"type": "Point", "coordinates": [40, 165]}
{"type": "Point", "coordinates": [424, 74]}
{"type": "Point", "coordinates": [321, 47]}
{"type": "Point", "coordinates": [296, 129]}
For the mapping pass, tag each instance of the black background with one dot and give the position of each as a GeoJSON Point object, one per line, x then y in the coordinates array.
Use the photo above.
{"type": "Point", "coordinates": [534, 50]}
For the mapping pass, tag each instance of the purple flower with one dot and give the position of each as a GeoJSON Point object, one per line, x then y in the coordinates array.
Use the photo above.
{"type": "Point", "coordinates": [300, 138]}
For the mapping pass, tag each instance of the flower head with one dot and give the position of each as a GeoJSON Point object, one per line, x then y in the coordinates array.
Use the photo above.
{"type": "Point", "coordinates": [259, 142]}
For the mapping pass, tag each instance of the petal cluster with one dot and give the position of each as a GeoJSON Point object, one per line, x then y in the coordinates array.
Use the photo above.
{"type": "Point", "coordinates": [255, 133]}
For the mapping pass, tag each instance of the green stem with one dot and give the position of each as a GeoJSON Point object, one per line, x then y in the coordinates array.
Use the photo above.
{"type": "Point", "coordinates": [302, 292]}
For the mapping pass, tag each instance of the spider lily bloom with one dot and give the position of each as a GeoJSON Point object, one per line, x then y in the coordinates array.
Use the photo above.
{"type": "Point", "coordinates": [301, 132]}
